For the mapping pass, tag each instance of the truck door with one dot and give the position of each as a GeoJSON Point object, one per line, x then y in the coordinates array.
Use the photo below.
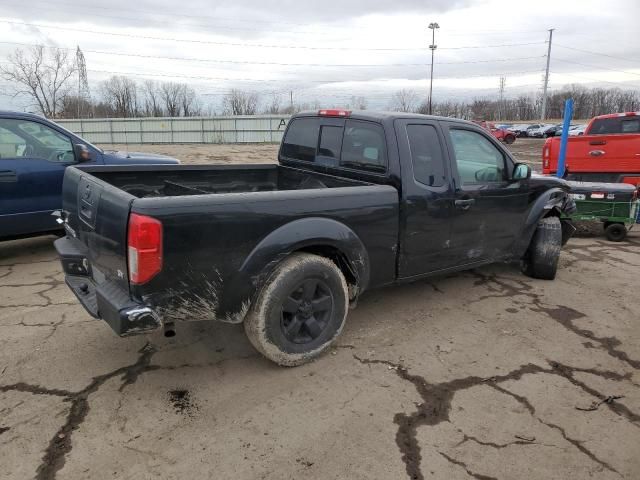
{"type": "Point", "coordinates": [33, 157]}
{"type": "Point", "coordinates": [426, 209]}
{"type": "Point", "coordinates": [489, 208]}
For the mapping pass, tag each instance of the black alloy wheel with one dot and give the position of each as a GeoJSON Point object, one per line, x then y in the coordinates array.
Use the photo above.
{"type": "Point", "coordinates": [306, 311]}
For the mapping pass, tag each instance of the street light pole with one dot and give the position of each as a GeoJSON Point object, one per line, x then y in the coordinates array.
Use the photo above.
{"type": "Point", "coordinates": [433, 26]}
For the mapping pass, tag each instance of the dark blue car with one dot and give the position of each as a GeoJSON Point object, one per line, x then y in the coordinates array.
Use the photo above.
{"type": "Point", "coordinates": [34, 153]}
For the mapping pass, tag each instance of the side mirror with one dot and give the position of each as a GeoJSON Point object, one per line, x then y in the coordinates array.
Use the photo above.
{"type": "Point", "coordinates": [521, 171]}
{"type": "Point", "coordinates": [81, 153]}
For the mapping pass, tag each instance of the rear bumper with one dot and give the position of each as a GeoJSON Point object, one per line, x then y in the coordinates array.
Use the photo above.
{"type": "Point", "coordinates": [106, 301]}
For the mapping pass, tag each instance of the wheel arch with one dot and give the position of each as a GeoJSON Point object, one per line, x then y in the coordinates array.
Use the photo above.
{"type": "Point", "coordinates": [316, 235]}
{"type": "Point", "coordinates": [548, 204]}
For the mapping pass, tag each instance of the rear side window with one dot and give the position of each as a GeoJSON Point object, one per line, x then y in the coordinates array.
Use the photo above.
{"type": "Point", "coordinates": [363, 147]}
{"type": "Point", "coordinates": [631, 126]}
{"type": "Point", "coordinates": [611, 126]}
{"type": "Point", "coordinates": [301, 140]}
{"type": "Point", "coordinates": [426, 155]}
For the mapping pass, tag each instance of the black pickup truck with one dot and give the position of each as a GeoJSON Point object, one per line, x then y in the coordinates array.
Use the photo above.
{"type": "Point", "coordinates": [357, 201]}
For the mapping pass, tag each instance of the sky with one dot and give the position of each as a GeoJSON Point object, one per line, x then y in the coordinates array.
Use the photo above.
{"type": "Point", "coordinates": [331, 50]}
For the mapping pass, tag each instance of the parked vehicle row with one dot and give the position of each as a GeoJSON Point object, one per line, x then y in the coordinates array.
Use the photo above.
{"type": "Point", "coordinates": [540, 130]}
{"type": "Point", "coordinates": [34, 153]}
{"type": "Point", "coordinates": [357, 201]}
{"type": "Point", "coordinates": [502, 134]}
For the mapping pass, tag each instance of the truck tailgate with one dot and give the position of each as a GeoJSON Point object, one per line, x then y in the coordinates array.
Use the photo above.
{"type": "Point", "coordinates": [98, 215]}
{"type": "Point", "coordinates": [94, 253]}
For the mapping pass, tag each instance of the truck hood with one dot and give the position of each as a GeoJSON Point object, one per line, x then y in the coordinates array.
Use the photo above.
{"type": "Point", "coordinates": [137, 158]}
{"type": "Point", "coordinates": [549, 181]}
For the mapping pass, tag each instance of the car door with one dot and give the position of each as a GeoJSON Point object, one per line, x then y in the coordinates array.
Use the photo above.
{"type": "Point", "coordinates": [489, 207]}
{"type": "Point", "coordinates": [427, 197]}
{"type": "Point", "coordinates": [33, 157]}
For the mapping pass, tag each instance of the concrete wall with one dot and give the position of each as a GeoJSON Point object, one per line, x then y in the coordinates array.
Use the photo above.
{"type": "Point", "coordinates": [240, 129]}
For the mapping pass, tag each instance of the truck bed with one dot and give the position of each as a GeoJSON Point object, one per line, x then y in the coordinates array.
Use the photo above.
{"type": "Point", "coordinates": [220, 179]}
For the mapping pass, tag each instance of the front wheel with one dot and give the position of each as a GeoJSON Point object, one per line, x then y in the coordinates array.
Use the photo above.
{"type": "Point", "coordinates": [300, 311]}
{"type": "Point", "coordinates": [509, 139]}
{"type": "Point", "coordinates": [541, 260]}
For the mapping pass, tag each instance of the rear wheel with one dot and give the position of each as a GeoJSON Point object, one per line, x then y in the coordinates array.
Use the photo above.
{"type": "Point", "coordinates": [541, 260]}
{"type": "Point", "coordinates": [300, 311]}
{"type": "Point", "coordinates": [615, 232]}
{"type": "Point", "coordinates": [509, 139]}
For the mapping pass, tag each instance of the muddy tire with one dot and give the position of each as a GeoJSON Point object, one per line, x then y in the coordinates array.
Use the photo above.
{"type": "Point", "coordinates": [541, 260]}
{"type": "Point", "coordinates": [615, 232]}
{"type": "Point", "coordinates": [300, 310]}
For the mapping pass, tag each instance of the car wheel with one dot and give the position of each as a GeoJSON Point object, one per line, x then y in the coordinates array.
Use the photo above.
{"type": "Point", "coordinates": [615, 232]}
{"type": "Point", "coordinates": [541, 260]}
{"type": "Point", "coordinates": [300, 311]}
{"type": "Point", "coordinates": [509, 139]}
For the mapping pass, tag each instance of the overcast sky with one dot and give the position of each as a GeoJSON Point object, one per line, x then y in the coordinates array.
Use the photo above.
{"type": "Point", "coordinates": [333, 49]}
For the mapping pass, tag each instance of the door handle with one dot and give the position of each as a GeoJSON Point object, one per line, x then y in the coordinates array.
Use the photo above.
{"type": "Point", "coordinates": [597, 142]}
{"type": "Point", "coordinates": [597, 153]}
{"type": "Point", "coordinates": [8, 176]}
{"type": "Point", "coordinates": [465, 204]}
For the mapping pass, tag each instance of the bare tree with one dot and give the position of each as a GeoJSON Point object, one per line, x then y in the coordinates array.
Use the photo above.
{"type": "Point", "coordinates": [238, 102]}
{"type": "Point", "coordinates": [274, 106]}
{"type": "Point", "coordinates": [358, 103]}
{"type": "Point", "coordinates": [404, 101]}
{"type": "Point", "coordinates": [152, 101]}
{"type": "Point", "coordinates": [72, 104]}
{"type": "Point", "coordinates": [170, 94]}
{"type": "Point", "coordinates": [189, 101]}
{"type": "Point", "coordinates": [41, 74]}
{"type": "Point", "coordinates": [121, 94]}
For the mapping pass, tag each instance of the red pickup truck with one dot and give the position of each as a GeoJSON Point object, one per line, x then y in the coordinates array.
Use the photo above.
{"type": "Point", "coordinates": [609, 151]}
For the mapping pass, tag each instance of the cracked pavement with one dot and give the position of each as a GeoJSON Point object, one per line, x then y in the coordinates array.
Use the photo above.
{"type": "Point", "coordinates": [485, 374]}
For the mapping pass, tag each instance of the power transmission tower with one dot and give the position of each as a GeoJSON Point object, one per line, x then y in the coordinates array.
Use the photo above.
{"type": "Point", "coordinates": [503, 83]}
{"type": "Point", "coordinates": [543, 113]}
{"type": "Point", "coordinates": [84, 95]}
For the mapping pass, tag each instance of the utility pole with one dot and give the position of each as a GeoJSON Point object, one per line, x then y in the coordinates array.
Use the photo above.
{"type": "Point", "coordinates": [291, 98]}
{"type": "Point", "coordinates": [543, 113]}
{"type": "Point", "coordinates": [433, 26]}
{"type": "Point", "coordinates": [503, 83]}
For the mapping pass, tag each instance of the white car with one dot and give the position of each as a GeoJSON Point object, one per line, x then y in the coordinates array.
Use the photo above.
{"type": "Point", "coordinates": [539, 132]}
{"type": "Point", "coordinates": [577, 130]}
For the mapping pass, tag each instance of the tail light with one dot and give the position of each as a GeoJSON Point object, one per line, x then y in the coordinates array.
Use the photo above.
{"type": "Point", "coordinates": [545, 155]}
{"type": "Point", "coordinates": [144, 248]}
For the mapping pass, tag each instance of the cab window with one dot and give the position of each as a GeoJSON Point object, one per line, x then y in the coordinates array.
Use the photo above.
{"type": "Point", "coordinates": [426, 155]}
{"type": "Point", "coordinates": [612, 126]}
{"type": "Point", "coordinates": [477, 158]}
{"type": "Point", "coordinates": [26, 139]}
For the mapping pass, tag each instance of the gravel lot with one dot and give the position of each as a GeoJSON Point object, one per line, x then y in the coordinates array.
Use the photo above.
{"type": "Point", "coordinates": [486, 374]}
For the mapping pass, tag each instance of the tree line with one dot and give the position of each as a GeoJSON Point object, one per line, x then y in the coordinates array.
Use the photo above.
{"type": "Point", "coordinates": [588, 103]}
{"type": "Point", "coordinates": [48, 77]}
